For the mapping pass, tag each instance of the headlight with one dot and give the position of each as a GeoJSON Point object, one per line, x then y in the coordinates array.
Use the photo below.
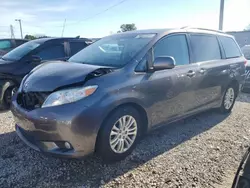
{"type": "Point", "coordinates": [68, 96]}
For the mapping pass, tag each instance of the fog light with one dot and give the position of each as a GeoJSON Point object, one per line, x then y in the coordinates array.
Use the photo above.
{"type": "Point", "coordinates": [67, 145]}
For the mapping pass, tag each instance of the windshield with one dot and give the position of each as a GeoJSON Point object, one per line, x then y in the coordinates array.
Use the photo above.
{"type": "Point", "coordinates": [246, 52]}
{"type": "Point", "coordinates": [115, 51]}
{"type": "Point", "coordinates": [20, 51]}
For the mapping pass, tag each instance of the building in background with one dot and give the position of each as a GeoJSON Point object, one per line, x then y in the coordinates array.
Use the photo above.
{"type": "Point", "coordinates": [242, 37]}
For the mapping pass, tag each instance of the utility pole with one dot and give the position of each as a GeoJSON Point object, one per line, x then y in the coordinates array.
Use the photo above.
{"type": "Point", "coordinates": [12, 32]}
{"type": "Point", "coordinates": [63, 26]}
{"type": "Point", "coordinates": [20, 24]}
{"type": "Point", "coordinates": [221, 14]}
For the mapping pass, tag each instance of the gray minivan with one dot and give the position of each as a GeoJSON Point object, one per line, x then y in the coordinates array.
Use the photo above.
{"type": "Point", "coordinates": [103, 101]}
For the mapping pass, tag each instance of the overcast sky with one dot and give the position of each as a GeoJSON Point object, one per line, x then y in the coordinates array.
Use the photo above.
{"type": "Point", "coordinates": [47, 16]}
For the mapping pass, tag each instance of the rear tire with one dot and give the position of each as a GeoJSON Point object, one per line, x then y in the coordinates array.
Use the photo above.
{"type": "Point", "coordinates": [119, 134]}
{"type": "Point", "coordinates": [228, 99]}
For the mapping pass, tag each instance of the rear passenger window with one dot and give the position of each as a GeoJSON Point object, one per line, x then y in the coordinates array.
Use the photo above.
{"type": "Point", "coordinates": [205, 48]}
{"type": "Point", "coordinates": [230, 47]}
{"type": "Point", "coordinates": [76, 47]}
{"type": "Point", "coordinates": [175, 46]}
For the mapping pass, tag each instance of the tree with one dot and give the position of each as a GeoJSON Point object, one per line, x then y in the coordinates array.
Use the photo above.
{"type": "Point", "coordinates": [127, 27]}
{"type": "Point", "coordinates": [30, 37]}
{"type": "Point", "coordinates": [247, 28]}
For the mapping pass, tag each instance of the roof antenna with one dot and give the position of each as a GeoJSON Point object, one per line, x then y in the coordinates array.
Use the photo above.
{"type": "Point", "coordinates": [78, 36]}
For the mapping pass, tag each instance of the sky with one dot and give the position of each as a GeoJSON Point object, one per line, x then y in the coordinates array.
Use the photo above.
{"type": "Point", "coordinates": [89, 18]}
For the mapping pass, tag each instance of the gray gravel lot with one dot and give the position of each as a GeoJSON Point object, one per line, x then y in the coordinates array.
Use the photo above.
{"type": "Point", "coordinates": [202, 151]}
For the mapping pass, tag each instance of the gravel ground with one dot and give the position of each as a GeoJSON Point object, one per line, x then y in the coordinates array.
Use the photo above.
{"type": "Point", "coordinates": [202, 151]}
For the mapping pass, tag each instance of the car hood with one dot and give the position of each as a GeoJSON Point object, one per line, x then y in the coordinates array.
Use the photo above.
{"type": "Point", "coordinates": [52, 75]}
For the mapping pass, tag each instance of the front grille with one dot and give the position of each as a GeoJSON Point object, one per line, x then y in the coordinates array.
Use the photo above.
{"type": "Point", "coordinates": [31, 100]}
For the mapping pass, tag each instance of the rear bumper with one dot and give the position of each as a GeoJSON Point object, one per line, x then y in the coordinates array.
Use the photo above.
{"type": "Point", "coordinates": [48, 129]}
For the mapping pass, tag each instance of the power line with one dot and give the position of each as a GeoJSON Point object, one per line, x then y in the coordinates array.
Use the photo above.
{"type": "Point", "coordinates": [88, 18]}
{"type": "Point", "coordinates": [97, 14]}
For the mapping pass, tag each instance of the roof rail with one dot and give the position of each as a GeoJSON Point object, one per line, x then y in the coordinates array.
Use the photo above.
{"type": "Point", "coordinates": [188, 27]}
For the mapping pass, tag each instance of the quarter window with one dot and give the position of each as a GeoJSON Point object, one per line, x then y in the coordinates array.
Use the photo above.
{"type": "Point", "coordinates": [205, 48]}
{"type": "Point", "coordinates": [52, 52]}
{"type": "Point", "coordinates": [174, 46]}
{"type": "Point", "coordinates": [230, 47]}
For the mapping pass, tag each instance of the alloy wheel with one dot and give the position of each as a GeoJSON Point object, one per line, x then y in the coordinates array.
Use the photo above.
{"type": "Point", "coordinates": [123, 134]}
{"type": "Point", "coordinates": [229, 98]}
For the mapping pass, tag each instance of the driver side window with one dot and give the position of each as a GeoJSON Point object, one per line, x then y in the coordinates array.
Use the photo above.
{"type": "Point", "coordinates": [52, 52]}
{"type": "Point", "coordinates": [175, 46]}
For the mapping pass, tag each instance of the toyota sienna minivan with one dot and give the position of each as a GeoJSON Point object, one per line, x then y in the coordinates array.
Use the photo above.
{"type": "Point", "coordinates": [103, 101]}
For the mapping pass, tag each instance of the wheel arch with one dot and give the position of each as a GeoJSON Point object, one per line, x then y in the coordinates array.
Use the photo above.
{"type": "Point", "coordinates": [236, 85]}
{"type": "Point", "coordinates": [138, 107]}
{"type": "Point", "coordinates": [4, 85]}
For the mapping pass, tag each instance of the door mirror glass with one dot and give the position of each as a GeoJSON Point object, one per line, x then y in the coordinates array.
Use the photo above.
{"type": "Point", "coordinates": [36, 59]}
{"type": "Point", "coordinates": [164, 62]}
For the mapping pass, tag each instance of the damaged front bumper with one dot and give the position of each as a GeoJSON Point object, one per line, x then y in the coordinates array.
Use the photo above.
{"type": "Point", "coordinates": [64, 131]}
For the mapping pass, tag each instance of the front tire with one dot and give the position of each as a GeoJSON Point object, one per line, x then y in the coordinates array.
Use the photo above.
{"type": "Point", "coordinates": [119, 134]}
{"type": "Point", "coordinates": [228, 99]}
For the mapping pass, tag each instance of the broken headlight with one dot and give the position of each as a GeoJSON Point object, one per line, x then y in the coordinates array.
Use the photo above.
{"type": "Point", "coordinates": [68, 95]}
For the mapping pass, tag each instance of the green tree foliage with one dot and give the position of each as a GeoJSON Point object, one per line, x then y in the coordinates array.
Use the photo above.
{"type": "Point", "coordinates": [127, 27]}
{"type": "Point", "coordinates": [30, 37]}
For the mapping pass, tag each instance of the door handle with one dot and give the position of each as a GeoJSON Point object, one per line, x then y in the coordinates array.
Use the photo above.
{"type": "Point", "coordinates": [202, 71]}
{"type": "Point", "coordinates": [190, 73]}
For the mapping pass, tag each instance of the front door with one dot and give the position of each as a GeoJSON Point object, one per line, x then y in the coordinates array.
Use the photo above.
{"type": "Point", "coordinates": [173, 89]}
{"type": "Point", "coordinates": [53, 51]}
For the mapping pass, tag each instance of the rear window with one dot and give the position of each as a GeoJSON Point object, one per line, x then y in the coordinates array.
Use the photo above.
{"type": "Point", "coordinates": [230, 47]}
{"type": "Point", "coordinates": [205, 47]}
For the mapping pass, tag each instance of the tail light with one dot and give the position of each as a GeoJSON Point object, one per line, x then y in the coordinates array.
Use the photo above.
{"type": "Point", "coordinates": [245, 63]}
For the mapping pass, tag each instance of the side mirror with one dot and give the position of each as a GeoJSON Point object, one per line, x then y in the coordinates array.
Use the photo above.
{"type": "Point", "coordinates": [35, 59]}
{"type": "Point", "coordinates": [164, 62]}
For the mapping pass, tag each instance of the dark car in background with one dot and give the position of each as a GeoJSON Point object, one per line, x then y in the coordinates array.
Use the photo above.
{"type": "Point", "coordinates": [246, 51]}
{"type": "Point", "coordinates": [20, 61]}
{"type": "Point", "coordinates": [118, 88]}
{"type": "Point", "coordinates": [7, 45]}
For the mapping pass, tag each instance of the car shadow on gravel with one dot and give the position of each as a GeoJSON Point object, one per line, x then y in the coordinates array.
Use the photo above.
{"type": "Point", "coordinates": [244, 97]}
{"type": "Point", "coordinates": [23, 167]}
